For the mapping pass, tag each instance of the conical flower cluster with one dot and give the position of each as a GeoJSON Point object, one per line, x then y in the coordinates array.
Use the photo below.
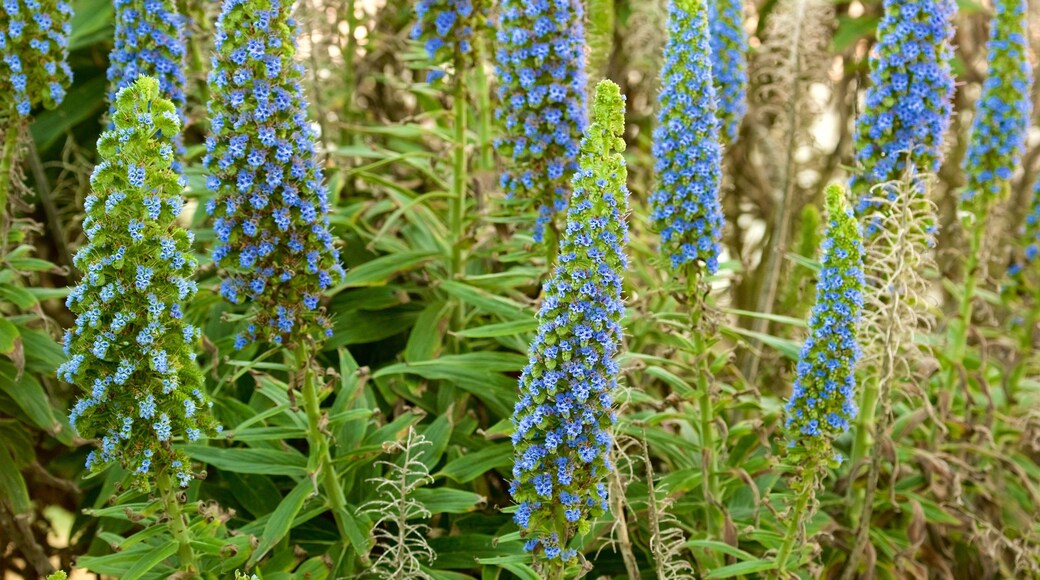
{"type": "Point", "coordinates": [34, 40]}
{"type": "Point", "coordinates": [131, 349]}
{"type": "Point", "coordinates": [444, 27]}
{"type": "Point", "coordinates": [541, 71]}
{"type": "Point", "coordinates": [149, 41]}
{"type": "Point", "coordinates": [998, 131]}
{"type": "Point", "coordinates": [823, 401]}
{"type": "Point", "coordinates": [729, 63]}
{"type": "Point", "coordinates": [562, 436]}
{"type": "Point", "coordinates": [908, 102]}
{"type": "Point", "coordinates": [271, 207]}
{"type": "Point", "coordinates": [685, 206]}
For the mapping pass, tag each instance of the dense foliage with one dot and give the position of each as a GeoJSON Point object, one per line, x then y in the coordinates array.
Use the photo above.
{"type": "Point", "coordinates": [519, 289]}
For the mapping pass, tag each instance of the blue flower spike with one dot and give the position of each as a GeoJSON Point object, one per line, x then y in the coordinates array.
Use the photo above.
{"type": "Point", "coordinates": [270, 207]}
{"type": "Point", "coordinates": [563, 420]}
{"type": "Point", "coordinates": [822, 404]}
{"type": "Point", "coordinates": [131, 350]}
{"type": "Point", "coordinates": [685, 206]}
{"type": "Point", "coordinates": [34, 50]}
{"type": "Point", "coordinates": [542, 102]}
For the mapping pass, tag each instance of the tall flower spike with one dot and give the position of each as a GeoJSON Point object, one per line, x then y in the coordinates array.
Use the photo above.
{"type": "Point", "coordinates": [131, 349]}
{"type": "Point", "coordinates": [149, 41]}
{"type": "Point", "coordinates": [541, 71]}
{"type": "Point", "coordinates": [823, 401]}
{"type": "Point", "coordinates": [271, 207]}
{"type": "Point", "coordinates": [998, 131]}
{"type": "Point", "coordinates": [564, 417]}
{"type": "Point", "coordinates": [685, 206]}
{"type": "Point", "coordinates": [908, 104]}
{"type": "Point", "coordinates": [445, 26]}
{"type": "Point", "coordinates": [34, 41]}
{"type": "Point", "coordinates": [729, 63]}
{"type": "Point", "coordinates": [1030, 240]}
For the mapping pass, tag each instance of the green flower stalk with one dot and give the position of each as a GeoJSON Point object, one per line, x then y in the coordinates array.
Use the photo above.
{"type": "Point", "coordinates": [34, 40]}
{"type": "Point", "coordinates": [563, 420]}
{"type": "Point", "coordinates": [823, 400]}
{"type": "Point", "coordinates": [131, 350]}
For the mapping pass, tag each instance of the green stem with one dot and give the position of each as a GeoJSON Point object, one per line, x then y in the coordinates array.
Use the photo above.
{"type": "Point", "coordinates": [349, 81]}
{"type": "Point", "coordinates": [970, 283]}
{"type": "Point", "coordinates": [320, 455]}
{"type": "Point", "coordinates": [797, 517]}
{"type": "Point", "coordinates": [178, 527]}
{"type": "Point", "coordinates": [14, 127]}
{"type": "Point", "coordinates": [709, 455]}
{"type": "Point", "coordinates": [864, 426]}
{"type": "Point", "coordinates": [457, 209]}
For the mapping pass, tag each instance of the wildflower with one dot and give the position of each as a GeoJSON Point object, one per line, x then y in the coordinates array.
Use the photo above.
{"type": "Point", "coordinates": [271, 207]}
{"type": "Point", "coordinates": [125, 350]}
{"type": "Point", "coordinates": [563, 419]}
{"type": "Point", "coordinates": [729, 63]}
{"type": "Point", "coordinates": [823, 401]}
{"type": "Point", "coordinates": [446, 28]}
{"type": "Point", "coordinates": [998, 130]}
{"type": "Point", "coordinates": [908, 104]}
{"type": "Point", "coordinates": [149, 41]}
{"type": "Point", "coordinates": [1029, 244]}
{"type": "Point", "coordinates": [685, 206]}
{"type": "Point", "coordinates": [541, 71]}
{"type": "Point", "coordinates": [34, 40]}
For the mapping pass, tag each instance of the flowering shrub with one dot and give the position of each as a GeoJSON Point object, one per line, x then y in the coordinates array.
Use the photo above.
{"type": "Point", "coordinates": [998, 130]}
{"type": "Point", "coordinates": [34, 40]}
{"type": "Point", "coordinates": [541, 71]}
{"type": "Point", "coordinates": [131, 350]}
{"type": "Point", "coordinates": [729, 63]}
{"type": "Point", "coordinates": [823, 400]}
{"type": "Point", "coordinates": [563, 419]}
{"type": "Point", "coordinates": [688, 156]}
{"type": "Point", "coordinates": [149, 41]}
{"type": "Point", "coordinates": [271, 208]}
{"type": "Point", "coordinates": [908, 104]}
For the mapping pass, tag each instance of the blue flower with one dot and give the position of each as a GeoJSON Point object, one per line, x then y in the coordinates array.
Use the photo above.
{"type": "Point", "coordinates": [688, 157]}
{"type": "Point", "coordinates": [446, 28]}
{"type": "Point", "coordinates": [149, 41]}
{"type": "Point", "coordinates": [908, 102]}
{"type": "Point", "coordinates": [127, 348]}
{"type": "Point", "coordinates": [563, 419]}
{"type": "Point", "coordinates": [34, 39]}
{"type": "Point", "coordinates": [729, 63]}
{"type": "Point", "coordinates": [823, 399]}
{"type": "Point", "coordinates": [998, 130]}
{"type": "Point", "coordinates": [542, 84]}
{"type": "Point", "coordinates": [271, 207]}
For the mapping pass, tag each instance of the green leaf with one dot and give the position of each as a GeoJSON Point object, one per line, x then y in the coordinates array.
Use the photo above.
{"type": "Point", "coordinates": [29, 395]}
{"type": "Point", "coordinates": [511, 328]}
{"type": "Point", "coordinates": [9, 336]}
{"type": "Point", "coordinates": [716, 546]}
{"type": "Point", "coordinates": [445, 500]}
{"type": "Point", "coordinates": [427, 332]}
{"type": "Point", "coordinates": [150, 560]}
{"type": "Point", "coordinates": [281, 520]}
{"type": "Point", "coordinates": [242, 460]}
{"type": "Point", "coordinates": [487, 302]}
{"type": "Point", "coordinates": [472, 465]}
{"type": "Point", "coordinates": [379, 271]}
{"type": "Point", "coordinates": [742, 568]}
{"type": "Point", "coordinates": [12, 486]}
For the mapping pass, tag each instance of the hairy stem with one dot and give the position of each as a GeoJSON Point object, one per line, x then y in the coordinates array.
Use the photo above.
{"type": "Point", "coordinates": [617, 496]}
{"type": "Point", "coordinates": [178, 527]}
{"type": "Point", "coordinates": [797, 516]}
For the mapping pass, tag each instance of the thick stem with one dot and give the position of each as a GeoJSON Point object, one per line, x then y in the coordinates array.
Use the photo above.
{"type": "Point", "coordinates": [864, 424]}
{"type": "Point", "coordinates": [320, 456]}
{"type": "Point", "coordinates": [457, 209]}
{"type": "Point", "coordinates": [178, 527]}
{"type": "Point", "coordinates": [797, 517]}
{"type": "Point", "coordinates": [484, 120]}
